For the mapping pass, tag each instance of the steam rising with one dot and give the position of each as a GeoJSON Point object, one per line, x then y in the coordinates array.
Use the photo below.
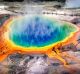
{"type": "Point", "coordinates": [32, 9]}
{"type": "Point", "coordinates": [72, 3]}
{"type": "Point", "coordinates": [38, 31]}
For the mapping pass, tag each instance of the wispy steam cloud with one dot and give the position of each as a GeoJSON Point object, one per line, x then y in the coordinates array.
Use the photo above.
{"type": "Point", "coordinates": [72, 3]}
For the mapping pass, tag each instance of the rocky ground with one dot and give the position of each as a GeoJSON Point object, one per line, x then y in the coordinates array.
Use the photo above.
{"type": "Point", "coordinates": [40, 64]}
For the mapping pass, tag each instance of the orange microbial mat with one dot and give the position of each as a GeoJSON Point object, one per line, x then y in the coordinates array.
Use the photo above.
{"type": "Point", "coordinates": [34, 34]}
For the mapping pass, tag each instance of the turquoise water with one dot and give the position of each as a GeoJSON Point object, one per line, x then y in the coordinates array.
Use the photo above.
{"type": "Point", "coordinates": [38, 31]}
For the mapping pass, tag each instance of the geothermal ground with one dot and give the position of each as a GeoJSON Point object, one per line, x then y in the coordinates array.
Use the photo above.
{"type": "Point", "coordinates": [40, 64]}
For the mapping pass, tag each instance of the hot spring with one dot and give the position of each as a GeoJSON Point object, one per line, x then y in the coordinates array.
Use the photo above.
{"type": "Point", "coordinates": [38, 31]}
